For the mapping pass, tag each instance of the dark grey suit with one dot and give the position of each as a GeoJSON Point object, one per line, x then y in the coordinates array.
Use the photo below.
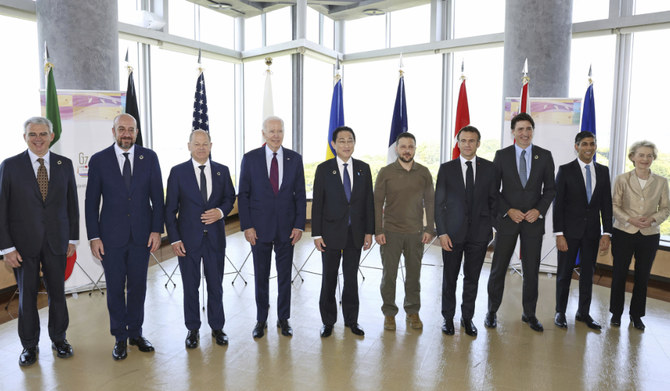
{"type": "Point", "coordinates": [537, 194]}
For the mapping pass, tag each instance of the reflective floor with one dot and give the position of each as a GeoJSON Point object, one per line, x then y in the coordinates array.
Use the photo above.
{"type": "Point", "coordinates": [511, 357]}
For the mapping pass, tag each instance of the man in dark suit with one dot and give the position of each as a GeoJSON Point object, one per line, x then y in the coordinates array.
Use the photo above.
{"type": "Point", "coordinates": [272, 209]}
{"type": "Point", "coordinates": [526, 174]}
{"type": "Point", "coordinates": [39, 229]}
{"type": "Point", "coordinates": [583, 197]}
{"type": "Point", "coordinates": [465, 211]}
{"type": "Point", "coordinates": [343, 221]}
{"type": "Point", "coordinates": [126, 178]}
{"type": "Point", "coordinates": [200, 195]}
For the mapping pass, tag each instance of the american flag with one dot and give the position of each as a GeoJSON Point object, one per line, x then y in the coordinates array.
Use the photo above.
{"type": "Point", "coordinates": [200, 117]}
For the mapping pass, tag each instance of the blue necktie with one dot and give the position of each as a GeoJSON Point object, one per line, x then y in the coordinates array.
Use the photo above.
{"type": "Point", "coordinates": [126, 171]}
{"type": "Point", "coordinates": [523, 171]}
{"type": "Point", "coordinates": [346, 181]}
{"type": "Point", "coordinates": [588, 183]}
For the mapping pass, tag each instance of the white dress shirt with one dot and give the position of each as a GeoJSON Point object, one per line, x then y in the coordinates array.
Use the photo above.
{"type": "Point", "coordinates": [464, 168]}
{"type": "Point", "coordinates": [350, 170]}
{"type": "Point", "coordinates": [280, 162]}
{"type": "Point", "coordinates": [122, 159]}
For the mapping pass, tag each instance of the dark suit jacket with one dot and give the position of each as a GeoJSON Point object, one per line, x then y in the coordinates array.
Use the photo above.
{"type": "Point", "coordinates": [184, 205]}
{"type": "Point", "coordinates": [538, 193]}
{"type": "Point", "coordinates": [25, 220]}
{"type": "Point", "coordinates": [126, 214]}
{"type": "Point", "coordinates": [573, 214]}
{"type": "Point", "coordinates": [450, 202]}
{"type": "Point", "coordinates": [259, 208]}
{"type": "Point", "coordinates": [331, 211]}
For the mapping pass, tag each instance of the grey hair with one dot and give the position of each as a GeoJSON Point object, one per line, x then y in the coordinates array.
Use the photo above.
{"type": "Point", "coordinates": [272, 118]}
{"type": "Point", "coordinates": [37, 121]}
{"type": "Point", "coordinates": [190, 137]}
{"type": "Point", "coordinates": [116, 119]}
{"type": "Point", "coordinates": [642, 144]}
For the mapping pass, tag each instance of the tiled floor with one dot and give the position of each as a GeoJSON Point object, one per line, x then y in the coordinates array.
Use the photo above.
{"type": "Point", "coordinates": [510, 357]}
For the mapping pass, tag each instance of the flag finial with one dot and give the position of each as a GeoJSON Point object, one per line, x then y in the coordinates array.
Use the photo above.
{"type": "Point", "coordinates": [462, 69]}
{"type": "Point", "coordinates": [400, 65]}
{"type": "Point", "coordinates": [130, 67]}
{"type": "Point", "coordinates": [590, 73]}
{"type": "Point", "coordinates": [47, 65]}
{"type": "Point", "coordinates": [525, 79]}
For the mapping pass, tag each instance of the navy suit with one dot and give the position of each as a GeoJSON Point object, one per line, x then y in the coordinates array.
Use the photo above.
{"type": "Point", "coordinates": [184, 205]}
{"type": "Point", "coordinates": [538, 194]}
{"type": "Point", "coordinates": [470, 233]}
{"type": "Point", "coordinates": [579, 221]}
{"type": "Point", "coordinates": [273, 216]}
{"type": "Point", "coordinates": [123, 224]}
{"type": "Point", "coordinates": [343, 225]}
{"type": "Point", "coordinates": [40, 231]}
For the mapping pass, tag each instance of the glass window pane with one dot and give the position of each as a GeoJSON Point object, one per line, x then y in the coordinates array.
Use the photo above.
{"type": "Point", "coordinates": [484, 72]}
{"type": "Point", "coordinates": [181, 20]}
{"type": "Point", "coordinates": [128, 11]}
{"type": "Point", "coordinates": [174, 95]}
{"type": "Point", "coordinates": [312, 25]}
{"type": "Point", "coordinates": [252, 33]}
{"type": "Point", "coordinates": [254, 87]}
{"type": "Point", "coordinates": [328, 32]}
{"type": "Point", "coordinates": [648, 6]}
{"type": "Point", "coordinates": [20, 75]}
{"type": "Point", "coordinates": [599, 53]}
{"type": "Point", "coordinates": [650, 82]}
{"type": "Point", "coordinates": [278, 26]}
{"type": "Point", "coordinates": [369, 97]}
{"type": "Point", "coordinates": [363, 34]}
{"type": "Point", "coordinates": [410, 26]}
{"type": "Point", "coordinates": [217, 28]}
{"type": "Point", "coordinates": [480, 17]}
{"type": "Point", "coordinates": [590, 10]}
{"type": "Point", "coordinates": [319, 84]}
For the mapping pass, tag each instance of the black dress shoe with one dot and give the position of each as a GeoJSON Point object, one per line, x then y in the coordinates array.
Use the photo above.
{"type": "Point", "coordinates": [326, 331]}
{"type": "Point", "coordinates": [286, 329]}
{"type": "Point", "coordinates": [560, 321]}
{"type": "Point", "coordinates": [592, 324]}
{"type": "Point", "coordinates": [192, 339]}
{"type": "Point", "coordinates": [259, 329]}
{"type": "Point", "coordinates": [120, 351]}
{"type": "Point", "coordinates": [616, 320]}
{"type": "Point", "coordinates": [637, 322]}
{"type": "Point", "coordinates": [491, 320]}
{"type": "Point", "coordinates": [63, 348]}
{"type": "Point", "coordinates": [470, 328]}
{"type": "Point", "coordinates": [28, 356]}
{"type": "Point", "coordinates": [448, 327]}
{"type": "Point", "coordinates": [220, 337]}
{"type": "Point", "coordinates": [355, 328]}
{"type": "Point", "coordinates": [532, 322]}
{"type": "Point", "coordinates": [142, 343]}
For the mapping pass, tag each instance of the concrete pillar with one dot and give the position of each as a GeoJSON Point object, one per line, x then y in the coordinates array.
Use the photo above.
{"type": "Point", "coordinates": [83, 42]}
{"type": "Point", "coordinates": [540, 31]}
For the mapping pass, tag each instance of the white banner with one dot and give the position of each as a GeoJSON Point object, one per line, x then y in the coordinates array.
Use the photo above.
{"type": "Point", "coordinates": [86, 119]}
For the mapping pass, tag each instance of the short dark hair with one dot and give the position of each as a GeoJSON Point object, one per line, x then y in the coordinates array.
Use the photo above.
{"type": "Point", "coordinates": [584, 134]}
{"type": "Point", "coordinates": [342, 129]}
{"type": "Point", "coordinates": [470, 129]}
{"type": "Point", "coordinates": [405, 135]}
{"type": "Point", "coordinates": [522, 117]}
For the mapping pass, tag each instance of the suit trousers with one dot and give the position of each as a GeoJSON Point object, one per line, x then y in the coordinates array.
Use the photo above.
{"type": "Point", "coordinates": [624, 247]}
{"type": "Point", "coordinates": [588, 252]}
{"type": "Point", "coordinates": [213, 262]}
{"type": "Point", "coordinates": [531, 249]}
{"type": "Point", "coordinates": [262, 253]}
{"type": "Point", "coordinates": [126, 278]}
{"type": "Point", "coordinates": [474, 252]}
{"type": "Point", "coordinates": [28, 280]}
{"type": "Point", "coordinates": [330, 260]}
{"type": "Point", "coordinates": [410, 246]}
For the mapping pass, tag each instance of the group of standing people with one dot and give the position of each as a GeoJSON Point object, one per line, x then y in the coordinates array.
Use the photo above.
{"type": "Point", "coordinates": [126, 212]}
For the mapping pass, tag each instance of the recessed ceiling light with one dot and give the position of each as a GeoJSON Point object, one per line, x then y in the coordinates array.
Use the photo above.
{"type": "Point", "coordinates": [219, 4]}
{"type": "Point", "coordinates": [372, 11]}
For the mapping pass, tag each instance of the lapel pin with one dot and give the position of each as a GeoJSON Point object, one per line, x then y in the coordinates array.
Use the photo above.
{"type": "Point", "coordinates": [288, 158]}
{"type": "Point", "coordinates": [334, 172]}
{"type": "Point", "coordinates": [59, 162]}
{"type": "Point", "coordinates": [218, 173]}
{"type": "Point", "coordinates": [536, 157]}
{"type": "Point", "coordinates": [142, 157]}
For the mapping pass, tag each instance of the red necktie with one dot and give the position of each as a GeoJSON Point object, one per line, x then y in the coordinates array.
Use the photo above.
{"type": "Point", "coordinates": [274, 173]}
